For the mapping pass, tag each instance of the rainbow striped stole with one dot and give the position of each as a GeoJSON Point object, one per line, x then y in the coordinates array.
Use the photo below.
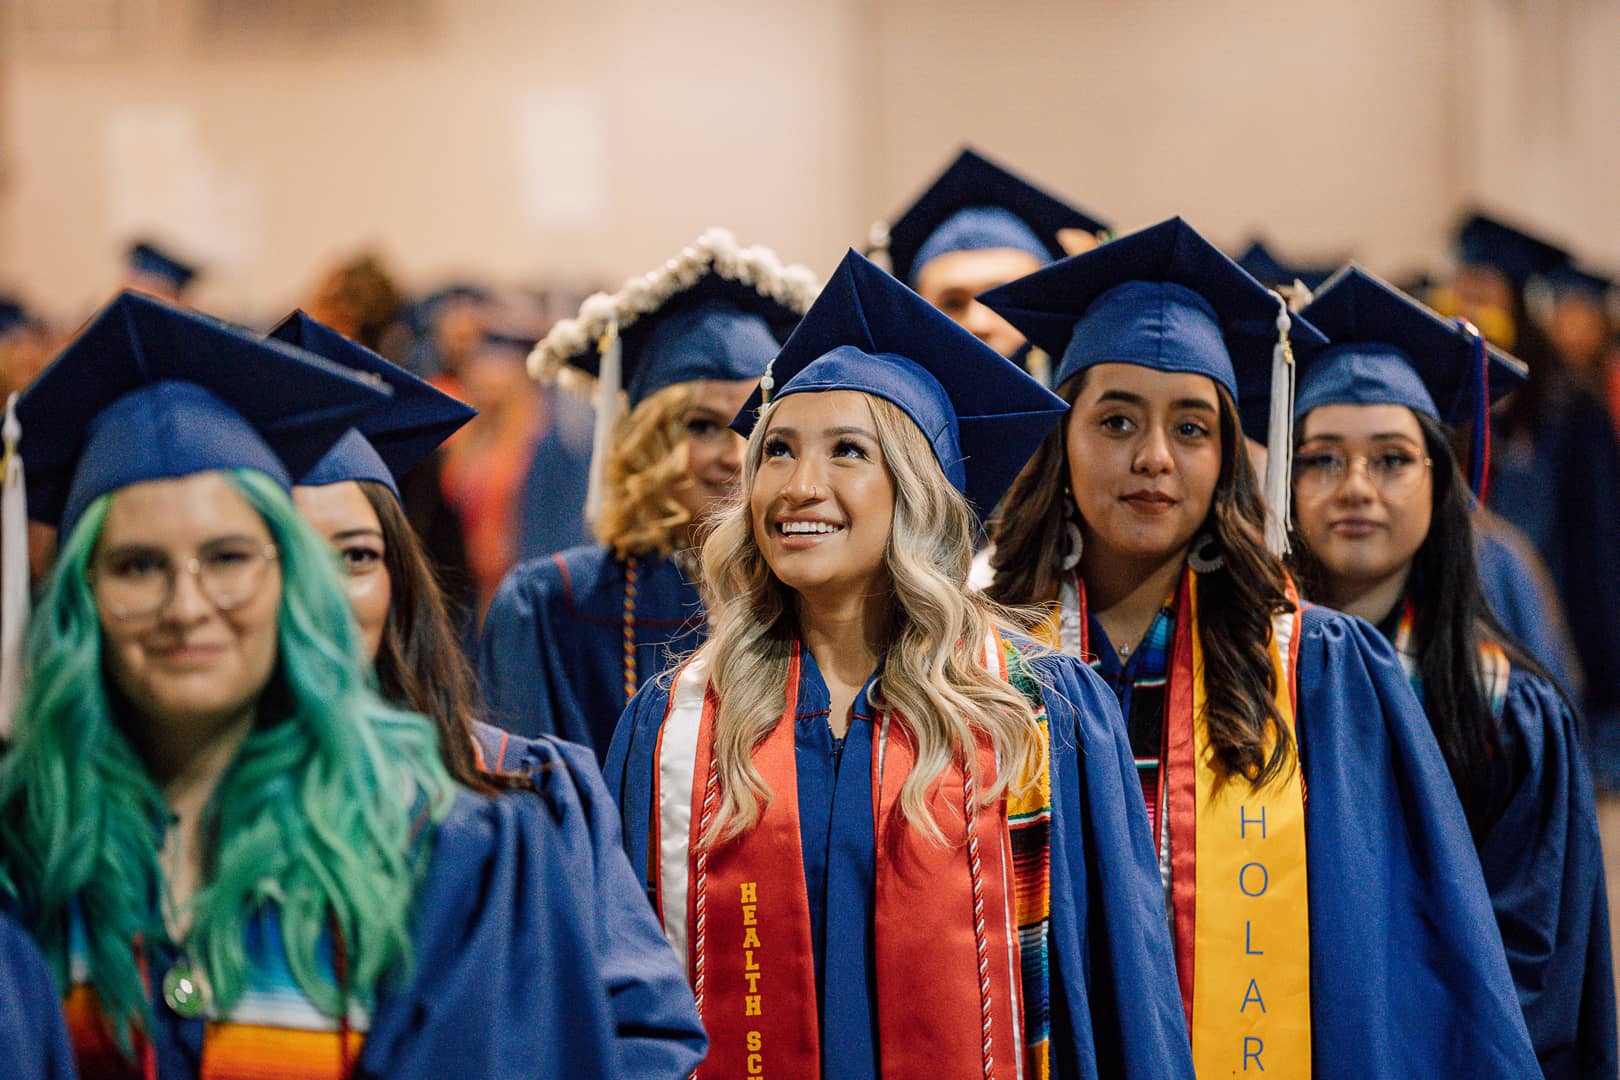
{"type": "Point", "coordinates": [273, 1032]}
{"type": "Point", "coordinates": [1494, 665]}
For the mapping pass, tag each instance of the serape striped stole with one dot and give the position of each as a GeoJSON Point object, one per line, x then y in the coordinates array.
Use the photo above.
{"type": "Point", "coordinates": [273, 1032]}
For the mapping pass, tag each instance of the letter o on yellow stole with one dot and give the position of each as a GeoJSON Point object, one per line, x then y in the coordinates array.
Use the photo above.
{"type": "Point", "coordinates": [1251, 964]}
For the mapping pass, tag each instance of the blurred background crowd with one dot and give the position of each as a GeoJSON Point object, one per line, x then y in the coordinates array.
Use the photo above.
{"type": "Point", "coordinates": [443, 180]}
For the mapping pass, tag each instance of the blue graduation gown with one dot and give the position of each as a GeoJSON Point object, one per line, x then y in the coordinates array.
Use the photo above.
{"type": "Point", "coordinates": [1544, 867]}
{"type": "Point", "coordinates": [551, 655]}
{"type": "Point", "coordinates": [651, 1003]}
{"type": "Point", "coordinates": [1115, 1007]}
{"type": "Point", "coordinates": [507, 977]}
{"type": "Point", "coordinates": [1521, 596]}
{"type": "Point", "coordinates": [551, 511]}
{"type": "Point", "coordinates": [1561, 488]}
{"type": "Point", "coordinates": [33, 1035]}
{"type": "Point", "coordinates": [1408, 974]}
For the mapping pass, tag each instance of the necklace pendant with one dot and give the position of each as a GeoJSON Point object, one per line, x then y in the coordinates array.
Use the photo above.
{"type": "Point", "coordinates": [1124, 650]}
{"type": "Point", "coordinates": [184, 992]}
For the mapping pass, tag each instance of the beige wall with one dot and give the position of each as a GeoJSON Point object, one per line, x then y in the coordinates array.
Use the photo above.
{"type": "Point", "coordinates": [1336, 126]}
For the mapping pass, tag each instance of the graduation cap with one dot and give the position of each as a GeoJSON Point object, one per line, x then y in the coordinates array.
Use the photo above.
{"type": "Point", "coordinates": [980, 412]}
{"type": "Point", "coordinates": [1264, 266]}
{"type": "Point", "coordinates": [975, 205]}
{"type": "Point", "coordinates": [716, 311]}
{"type": "Point", "coordinates": [1570, 280]}
{"type": "Point", "coordinates": [1166, 298]}
{"type": "Point", "coordinates": [1388, 349]}
{"type": "Point", "coordinates": [506, 339]}
{"type": "Point", "coordinates": [147, 258]}
{"type": "Point", "coordinates": [13, 315]}
{"type": "Point", "coordinates": [1516, 254]}
{"type": "Point", "coordinates": [148, 391]}
{"type": "Point", "coordinates": [394, 437]}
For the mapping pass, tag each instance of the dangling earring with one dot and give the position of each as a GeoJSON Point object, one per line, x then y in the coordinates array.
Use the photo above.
{"type": "Point", "coordinates": [1073, 542]}
{"type": "Point", "coordinates": [1205, 555]}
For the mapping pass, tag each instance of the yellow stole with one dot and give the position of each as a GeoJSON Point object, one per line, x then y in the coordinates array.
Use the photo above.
{"type": "Point", "coordinates": [1239, 903]}
{"type": "Point", "coordinates": [1251, 972]}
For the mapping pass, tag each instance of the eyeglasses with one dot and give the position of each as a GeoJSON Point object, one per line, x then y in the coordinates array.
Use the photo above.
{"type": "Point", "coordinates": [1392, 472]}
{"type": "Point", "coordinates": [138, 583]}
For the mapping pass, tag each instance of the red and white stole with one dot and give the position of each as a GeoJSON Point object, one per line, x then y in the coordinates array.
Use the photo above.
{"type": "Point", "coordinates": [945, 933]}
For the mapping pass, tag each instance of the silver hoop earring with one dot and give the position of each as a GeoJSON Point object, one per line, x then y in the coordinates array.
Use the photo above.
{"type": "Point", "coordinates": [1073, 541]}
{"type": "Point", "coordinates": [1205, 555]}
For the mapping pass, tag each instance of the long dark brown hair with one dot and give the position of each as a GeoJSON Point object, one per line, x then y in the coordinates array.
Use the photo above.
{"type": "Point", "coordinates": [1235, 603]}
{"type": "Point", "coordinates": [420, 664]}
{"type": "Point", "coordinates": [1450, 618]}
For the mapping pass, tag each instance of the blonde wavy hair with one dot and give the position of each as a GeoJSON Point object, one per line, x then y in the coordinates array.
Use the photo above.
{"type": "Point", "coordinates": [648, 464]}
{"type": "Point", "coordinates": [933, 674]}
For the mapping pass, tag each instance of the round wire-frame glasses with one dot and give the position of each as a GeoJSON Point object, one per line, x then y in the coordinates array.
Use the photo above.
{"type": "Point", "coordinates": [139, 583]}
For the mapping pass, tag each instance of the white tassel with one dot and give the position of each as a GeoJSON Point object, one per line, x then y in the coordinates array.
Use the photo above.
{"type": "Point", "coordinates": [14, 599]}
{"type": "Point", "coordinates": [608, 380]}
{"type": "Point", "coordinates": [1278, 488]}
{"type": "Point", "coordinates": [877, 246]}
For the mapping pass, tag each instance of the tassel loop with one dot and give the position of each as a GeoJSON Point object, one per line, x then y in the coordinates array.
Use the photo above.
{"type": "Point", "coordinates": [609, 378]}
{"type": "Point", "coordinates": [1479, 440]}
{"type": "Point", "coordinates": [1278, 489]}
{"type": "Point", "coordinates": [14, 585]}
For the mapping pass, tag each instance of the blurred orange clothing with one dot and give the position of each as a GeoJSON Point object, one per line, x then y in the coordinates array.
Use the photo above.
{"type": "Point", "coordinates": [486, 465]}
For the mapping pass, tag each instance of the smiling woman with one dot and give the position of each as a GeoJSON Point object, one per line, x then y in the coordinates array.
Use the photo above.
{"type": "Point", "coordinates": [882, 753]}
{"type": "Point", "coordinates": [569, 638]}
{"type": "Point", "coordinates": [1139, 529]}
{"type": "Point", "coordinates": [235, 855]}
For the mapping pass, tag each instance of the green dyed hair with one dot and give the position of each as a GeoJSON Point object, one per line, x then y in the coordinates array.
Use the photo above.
{"type": "Point", "coordinates": [317, 814]}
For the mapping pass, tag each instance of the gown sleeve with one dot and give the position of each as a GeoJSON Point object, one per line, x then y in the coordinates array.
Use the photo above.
{"type": "Point", "coordinates": [1544, 867]}
{"type": "Point", "coordinates": [1522, 597]}
{"type": "Point", "coordinates": [33, 1035]}
{"type": "Point", "coordinates": [656, 1020]}
{"type": "Point", "coordinates": [519, 665]}
{"type": "Point", "coordinates": [506, 978]}
{"type": "Point", "coordinates": [1408, 973]}
{"type": "Point", "coordinates": [1116, 1006]}
{"type": "Point", "coordinates": [628, 770]}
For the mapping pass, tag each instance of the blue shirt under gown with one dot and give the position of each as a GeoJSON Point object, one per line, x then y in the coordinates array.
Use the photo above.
{"type": "Point", "coordinates": [1115, 1007]}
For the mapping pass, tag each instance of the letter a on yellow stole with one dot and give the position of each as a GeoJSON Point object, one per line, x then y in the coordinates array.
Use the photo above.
{"type": "Point", "coordinates": [1252, 931]}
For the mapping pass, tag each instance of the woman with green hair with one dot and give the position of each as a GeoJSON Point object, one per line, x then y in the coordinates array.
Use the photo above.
{"type": "Point", "coordinates": [237, 858]}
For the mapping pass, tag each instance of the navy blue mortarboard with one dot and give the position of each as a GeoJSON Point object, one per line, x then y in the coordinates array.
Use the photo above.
{"type": "Point", "coordinates": [1388, 349]}
{"type": "Point", "coordinates": [1516, 254]}
{"type": "Point", "coordinates": [1166, 298]}
{"type": "Point", "coordinates": [980, 412]}
{"type": "Point", "coordinates": [1264, 266]}
{"type": "Point", "coordinates": [974, 205]}
{"type": "Point", "coordinates": [504, 339]}
{"type": "Point", "coordinates": [12, 315]}
{"type": "Point", "coordinates": [1573, 280]}
{"type": "Point", "coordinates": [391, 439]}
{"type": "Point", "coordinates": [716, 311]}
{"type": "Point", "coordinates": [146, 257]}
{"type": "Point", "coordinates": [148, 391]}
